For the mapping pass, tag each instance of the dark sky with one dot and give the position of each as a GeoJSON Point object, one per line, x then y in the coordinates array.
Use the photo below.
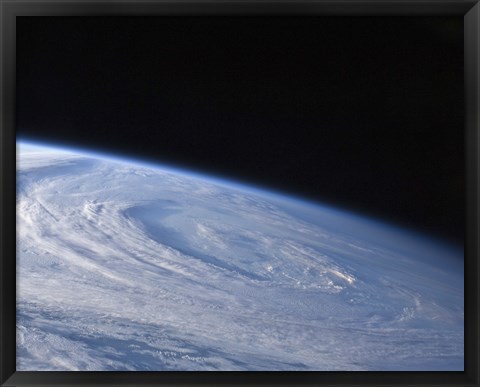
{"type": "Point", "coordinates": [363, 113]}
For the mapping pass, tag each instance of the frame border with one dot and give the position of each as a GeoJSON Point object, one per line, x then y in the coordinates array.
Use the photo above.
{"type": "Point", "coordinates": [10, 9]}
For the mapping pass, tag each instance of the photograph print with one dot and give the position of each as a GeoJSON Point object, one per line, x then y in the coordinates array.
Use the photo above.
{"type": "Point", "coordinates": [240, 193]}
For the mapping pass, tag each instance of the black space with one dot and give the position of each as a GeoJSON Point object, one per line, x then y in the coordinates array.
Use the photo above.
{"type": "Point", "coordinates": [365, 113]}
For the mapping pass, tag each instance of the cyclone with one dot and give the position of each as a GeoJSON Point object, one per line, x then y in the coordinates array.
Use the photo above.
{"type": "Point", "coordinates": [128, 266]}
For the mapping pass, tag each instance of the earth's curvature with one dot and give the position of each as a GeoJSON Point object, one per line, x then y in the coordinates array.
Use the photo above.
{"type": "Point", "coordinates": [127, 266]}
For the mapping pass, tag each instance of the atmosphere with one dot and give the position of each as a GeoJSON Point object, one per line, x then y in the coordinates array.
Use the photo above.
{"type": "Point", "coordinates": [364, 114]}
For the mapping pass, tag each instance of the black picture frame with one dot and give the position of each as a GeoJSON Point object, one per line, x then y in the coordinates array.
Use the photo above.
{"type": "Point", "coordinates": [9, 10]}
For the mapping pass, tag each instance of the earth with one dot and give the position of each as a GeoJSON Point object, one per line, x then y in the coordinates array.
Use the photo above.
{"type": "Point", "coordinates": [124, 265]}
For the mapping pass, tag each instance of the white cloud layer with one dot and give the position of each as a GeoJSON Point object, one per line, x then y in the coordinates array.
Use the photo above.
{"type": "Point", "coordinates": [125, 267]}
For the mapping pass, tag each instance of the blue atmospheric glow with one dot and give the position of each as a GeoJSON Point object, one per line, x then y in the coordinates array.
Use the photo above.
{"type": "Point", "coordinates": [362, 225]}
